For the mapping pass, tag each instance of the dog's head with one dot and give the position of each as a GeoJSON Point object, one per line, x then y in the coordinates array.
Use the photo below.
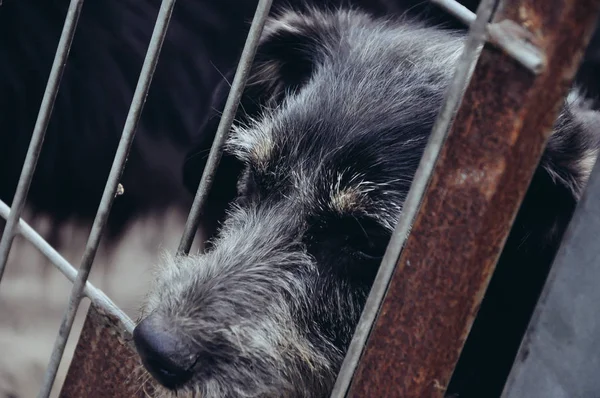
{"type": "Point", "coordinates": [327, 139]}
{"type": "Point", "coordinates": [329, 133]}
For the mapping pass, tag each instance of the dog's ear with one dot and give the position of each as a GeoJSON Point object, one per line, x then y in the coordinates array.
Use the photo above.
{"type": "Point", "coordinates": [290, 47]}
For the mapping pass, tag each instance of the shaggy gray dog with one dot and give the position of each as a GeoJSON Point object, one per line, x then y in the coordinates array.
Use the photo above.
{"type": "Point", "coordinates": [325, 146]}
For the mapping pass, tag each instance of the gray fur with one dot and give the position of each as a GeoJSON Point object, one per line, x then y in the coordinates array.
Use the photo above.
{"type": "Point", "coordinates": [265, 312]}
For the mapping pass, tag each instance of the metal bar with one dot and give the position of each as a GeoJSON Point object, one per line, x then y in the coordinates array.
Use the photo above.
{"type": "Point", "coordinates": [512, 38]}
{"type": "Point", "coordinates": [231, 106]}
{"type": "Point", "coordinates": [96, 295]}
{"type": "Point", "coordinates": [517, 41]}
{"type": "Point", "coordinates": [39, 130]}
{"type": "Point", "coordinates": [478, 183]}
{"type": "Point", "coordinates": [105, 363]}
{"type": "Point", "coordinates": [559, 355]}
{"type": "Point", "coordinates": [110, 191]}
{"type": "Point", "coordinates": [453, 97]}
{"type": "Point", "coordinates": [462, 13]}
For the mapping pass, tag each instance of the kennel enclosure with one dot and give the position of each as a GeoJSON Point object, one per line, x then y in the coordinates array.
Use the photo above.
{"type": "Point", "coordinates": [518, 62]}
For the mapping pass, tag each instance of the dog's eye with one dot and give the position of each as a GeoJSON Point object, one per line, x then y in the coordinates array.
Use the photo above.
{"type": "Point", "coordinates": [367, 240]}
{"type": "Point", "coordinates": [368, 251]}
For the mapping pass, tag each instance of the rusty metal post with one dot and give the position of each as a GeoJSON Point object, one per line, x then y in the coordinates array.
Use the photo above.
{"type": "Point", "coordinates": [105, 363]}
{"type": "Point", "coordinates": [477, 185]}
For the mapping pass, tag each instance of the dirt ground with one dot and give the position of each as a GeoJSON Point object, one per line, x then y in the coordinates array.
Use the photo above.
{"type": "Point", "coordinates": [33, 294]}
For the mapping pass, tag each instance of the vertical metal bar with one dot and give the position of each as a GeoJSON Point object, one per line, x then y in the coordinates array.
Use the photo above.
{"type": "Point", "coordinates": [464, 70]}
{"type": "Point", "coordinates": [559, 356]}
{"type": "Point", "coordinates": [478, 183]}
{"type": "Point", "coordinates": [39, 130]}
{"type": "Point", "coordinates": [231, 106]}
{"type": "Point", "coordinates": [96, 295]}
{"type": "Point", "coordinates": [133, 117]}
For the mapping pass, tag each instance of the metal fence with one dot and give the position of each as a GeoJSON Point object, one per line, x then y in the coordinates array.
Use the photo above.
{"type": "Point", "coordinates": [540, 67]}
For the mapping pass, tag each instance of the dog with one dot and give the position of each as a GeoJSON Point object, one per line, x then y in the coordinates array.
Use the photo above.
{"type": "Point", "coordinates": [327, 139]}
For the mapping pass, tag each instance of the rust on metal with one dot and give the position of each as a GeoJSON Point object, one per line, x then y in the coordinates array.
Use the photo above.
{"type": "Point", "coordinates": [480, 179]}
{"type": "Point", "coordinates": [105, 364]}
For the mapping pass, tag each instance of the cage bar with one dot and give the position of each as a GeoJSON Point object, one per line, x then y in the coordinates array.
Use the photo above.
{"type": "Point", "coordinates": [478, 183]}
{"type": "Point", "coordinates": [559, 353]}
{"type": "Point", "coordinates": [510, 37]}
{"type": "Point", "coordinates": [110, 191]}
{"type": "Point", "coordinates": [453, 98]}
{"type": "Point", "coordinates": [462, 13]}
{"type": "Point", "coordinates": [96, 295]}
{"type": "Point", "coordinates": [216, 151]}
{"type": "Point", "coordinates": [39, 131]}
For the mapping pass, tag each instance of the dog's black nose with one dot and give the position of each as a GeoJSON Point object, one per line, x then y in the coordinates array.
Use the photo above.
{"type": "Point", "coordinates": [163, 353]}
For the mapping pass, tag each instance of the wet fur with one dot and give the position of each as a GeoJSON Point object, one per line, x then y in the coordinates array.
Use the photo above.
{"type": "Point", "coordinates": [328, 138]}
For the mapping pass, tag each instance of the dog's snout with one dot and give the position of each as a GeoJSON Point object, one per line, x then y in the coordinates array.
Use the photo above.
{"type": "Point", "coordinates": [163, 352]}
